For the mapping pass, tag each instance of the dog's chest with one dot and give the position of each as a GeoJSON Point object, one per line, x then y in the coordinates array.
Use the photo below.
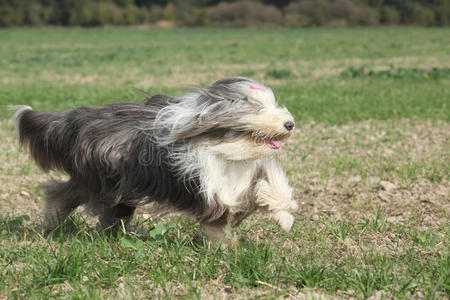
{"type": "Point", "coordinates": [227, 181]}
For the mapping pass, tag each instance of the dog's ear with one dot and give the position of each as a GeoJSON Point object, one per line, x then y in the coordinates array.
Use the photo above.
{"type": "Point", "coordinates": [205, 123]}
{"type": "Point", "coordinates": [192, 130]}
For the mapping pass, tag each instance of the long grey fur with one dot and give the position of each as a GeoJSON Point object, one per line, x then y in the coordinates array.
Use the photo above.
{"type": "Point", "coordinates": [124, 154]}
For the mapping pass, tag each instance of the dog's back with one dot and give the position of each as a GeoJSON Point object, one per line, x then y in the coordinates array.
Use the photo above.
{"type": "Point", "coordinates": [109, 155]}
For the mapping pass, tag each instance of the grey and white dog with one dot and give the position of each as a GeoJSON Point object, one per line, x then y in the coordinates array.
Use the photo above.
{"type": "Point", "coordinates": [209, 154]}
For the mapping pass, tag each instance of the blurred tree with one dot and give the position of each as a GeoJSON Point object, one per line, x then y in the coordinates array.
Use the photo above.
{"type": "Point", "coordinates": [277, 3]}
{"type": "Point", "coordinates": [7, 13]}
{"type": "Point", "coordinates": [132, 16]}
{"type": "Point", "coordinates": [156, 13]}
{"type": "Point", "coordinates": [441, 9]}
{"type": "Point", "coordinates": [197, 12]}
{"type": "Point", "coordinates": [191, 12]}
{"type": "Point", "coordinates": [124, 3]}
{"type": "Point", "coordinates": [150, 3]}
{"type": "Point", "coordinates": [33, 13]}
{"type": "Point", "coordinates": [318, 12]}
{"type": "Point", "coordinates": [389, 15]}
{"type": "Point", "coordinates": [345, 9]}
{"type": "Point", "coordinates": [169, 12]}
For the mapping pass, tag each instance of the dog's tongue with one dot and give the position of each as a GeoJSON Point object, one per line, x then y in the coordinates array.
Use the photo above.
{"type": "Point", "coordinates": [274, 143]}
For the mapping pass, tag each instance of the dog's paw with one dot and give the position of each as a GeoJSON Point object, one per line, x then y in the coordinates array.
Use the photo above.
{"type": "Point", "coordinates": [293, 206]}
{"type": "Point", "coordinates": [284, 219]}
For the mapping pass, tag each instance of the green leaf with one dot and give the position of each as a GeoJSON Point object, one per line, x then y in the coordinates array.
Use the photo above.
{"type": "Point", "coordinates": [129, 241]}
{"type": "Point", "coordinates": [18, 221]}
{"type": "Point", "coordinates": [160, 230]}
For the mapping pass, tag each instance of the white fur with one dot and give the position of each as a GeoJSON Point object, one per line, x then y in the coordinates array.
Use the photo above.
{"type": "Point", "coordinates": [259, 93]}
{"type": "Point", "coordinates": [20, 109]}
{"type": "Point", "coordinates": [275, 194]}
{"type": "Point", "coordinates": [227, 170]}
{"type": "Point", "coordinates": [177, 116]}
{"type": "Point", "coordinates": [226, 179]}
{"type": "Point", "coordinates": [229, 181]}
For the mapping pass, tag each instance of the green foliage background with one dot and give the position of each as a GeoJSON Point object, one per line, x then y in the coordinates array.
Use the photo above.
{"type": "Point", "coordinates": [248, 13]}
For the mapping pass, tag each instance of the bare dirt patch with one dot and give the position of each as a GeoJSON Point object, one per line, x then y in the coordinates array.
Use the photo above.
{"type": "Point", "coordinates": [101, 79]}
{"type": "Point", "coordinates": [327, 68]}
{"type": "Point", "coordinates": [19, 177]}
{"type": "Point", "coordinates": [177, 76]}
{"type": "Point", "coordinates": [400, 166]}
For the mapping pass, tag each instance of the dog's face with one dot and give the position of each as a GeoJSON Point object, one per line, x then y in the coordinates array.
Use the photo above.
{"type": "Point", "coordinates": [259, 126]}
{"type": "Point", "coordinates": [237, 118]}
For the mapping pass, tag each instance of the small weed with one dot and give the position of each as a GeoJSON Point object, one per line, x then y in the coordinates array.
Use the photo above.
{"type": "Point", "coordinates": [377, 223]}
{"type": "Point", "coordinates": [398, 73]}
{"type": "Point", "coordinates": [309, 275]}
{"type": "Point", "coordinates": [339, 228]}
{"type": "Point", "coordinates": [247, 73]}
{"type": "Point", "coordinates": [279, 74]}
{"type": "Point", "coordinates": [426, 239]}
{"type": "Point", "coordinates": [250, 264]}
{"type": "Point", "coordinates": [60, 266]}
{"type": "Point", "coordinates": [8, 225]}
{"type": "Point", "coordinates": [435, 170]}
{"type": "Point", "coordinates": [131, 242]}
{"type": "Point", "coordinates": [26, 169]}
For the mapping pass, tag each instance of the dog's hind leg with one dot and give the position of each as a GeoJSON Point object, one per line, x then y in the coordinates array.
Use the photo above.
{"type": "Point", "coordinates": [61, 199]}
{"type": "Point", "coordinates": [218, 233]}
{"type": "Point", "coordinates": [113, 217]}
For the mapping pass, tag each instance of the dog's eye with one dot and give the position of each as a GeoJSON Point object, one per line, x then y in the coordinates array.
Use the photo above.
{"type": "Point", "coordinates": [234, 100]}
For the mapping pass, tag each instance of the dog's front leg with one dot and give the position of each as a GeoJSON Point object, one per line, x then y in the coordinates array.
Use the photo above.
{"type": "Point", "coordinates": [274, 194]}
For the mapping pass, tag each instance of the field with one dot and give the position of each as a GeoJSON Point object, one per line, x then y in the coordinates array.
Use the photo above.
{"type": "Point", "coordinates": [369, 161]}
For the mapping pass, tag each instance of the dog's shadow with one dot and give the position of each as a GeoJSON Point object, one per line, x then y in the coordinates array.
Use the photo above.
{"type": "Point", "coordinates": [15, 226]}
{"type": "Point", "coordinates": [22, 228]}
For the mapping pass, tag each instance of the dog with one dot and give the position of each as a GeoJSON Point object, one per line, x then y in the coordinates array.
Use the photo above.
{"type": "Point", "coordinates": [210, 154]}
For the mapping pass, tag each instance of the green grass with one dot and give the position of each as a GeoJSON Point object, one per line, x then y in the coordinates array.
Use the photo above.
{"type": "Point", "coordinates": [44, 67]}
{"type": "Point", "coordinates": [356, 100]}
{"type": "Point", "coordinates": [92, 263]}
{"type": "Point", "coordinates": [326, 102]}
{"type": "Point", "coordinates": [368, 105]}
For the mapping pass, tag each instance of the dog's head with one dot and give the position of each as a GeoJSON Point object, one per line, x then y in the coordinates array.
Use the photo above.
{"type": "Point", "coordinates": [237, 117]}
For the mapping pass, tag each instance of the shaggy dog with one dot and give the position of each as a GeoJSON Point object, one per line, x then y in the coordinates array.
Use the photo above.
{"type": "Point", "coordinates": [209, 154]}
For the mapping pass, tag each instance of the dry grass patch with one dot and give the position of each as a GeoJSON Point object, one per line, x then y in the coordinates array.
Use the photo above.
{"type": "Point", "coordinates": [400, 166]}
{"type": "Point", "coordinates": [19, 177]}
{"type": "Point", "coordinates": [200, 73]}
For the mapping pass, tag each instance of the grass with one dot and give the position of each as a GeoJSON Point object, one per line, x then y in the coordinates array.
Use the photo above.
{"type": "Point", "coordinates": [371, 106]}
{"type": "Point", "coordinates": [89, 264]}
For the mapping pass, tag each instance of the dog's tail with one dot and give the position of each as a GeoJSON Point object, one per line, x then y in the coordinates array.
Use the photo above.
{"type": "Point", "coordinates": [42, 133]}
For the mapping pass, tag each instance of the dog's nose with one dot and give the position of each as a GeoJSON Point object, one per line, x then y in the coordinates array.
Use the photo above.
{"type": "Point", "coordinates": [289, 125]}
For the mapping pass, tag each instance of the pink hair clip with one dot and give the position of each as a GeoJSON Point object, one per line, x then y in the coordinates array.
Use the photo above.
{"type": "Point", "coordinates": [255, 88]}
